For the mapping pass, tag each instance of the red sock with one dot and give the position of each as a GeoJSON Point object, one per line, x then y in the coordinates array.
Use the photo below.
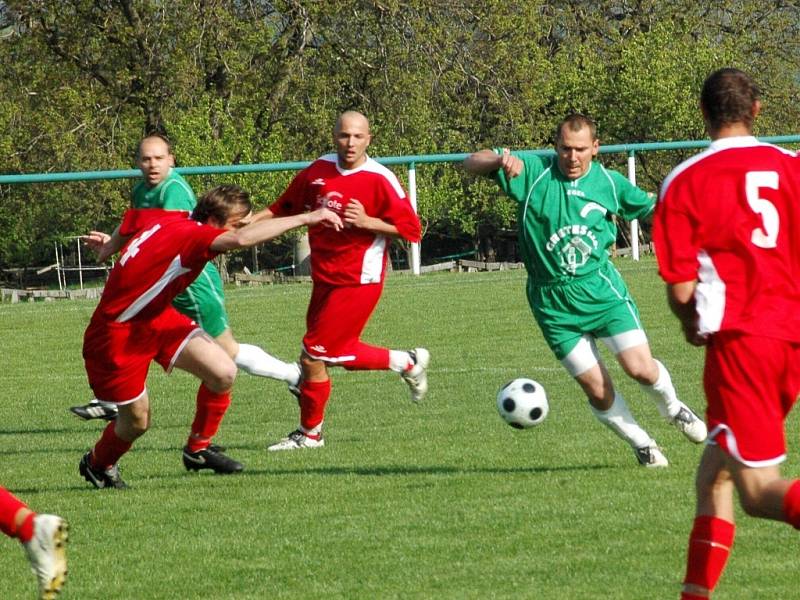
{"type": "Point", "coordinates": [368, 358]}
{"type": "Point", "coordinates": [688, 596]}
{"type": "Point", "coordinates": [10, 505]}
{"type": "Point", "coordinates": [314, 397]}
{"type": "Point", "coordinates": [791, 504]}
{"type": "Point", "coordinates": [709, 547]}
{"type": "Point", "coordinates": [211, 408]}
{"type": "Point", "coordinates": [109, 448]}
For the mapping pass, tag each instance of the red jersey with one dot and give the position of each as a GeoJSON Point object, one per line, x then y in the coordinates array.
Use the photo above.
{"type": "Point", "coordinates": [166, 253]}
{"type": "Point", "coordinates": [351, 256]}
{"type": "Point", "coordinates": [728, 218]}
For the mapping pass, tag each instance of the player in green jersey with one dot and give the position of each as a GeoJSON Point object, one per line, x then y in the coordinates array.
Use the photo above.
{"type": "Point", "coordinates": [204, 300]}
{"type": "Point", "coordinates": [566, 204]}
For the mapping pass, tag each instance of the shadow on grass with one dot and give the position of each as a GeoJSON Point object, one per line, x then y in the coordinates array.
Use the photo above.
{"type": "Point", "coordinates": [398, 470]}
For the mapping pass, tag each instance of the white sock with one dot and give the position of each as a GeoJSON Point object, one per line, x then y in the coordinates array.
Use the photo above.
{"type": "Point", "coordinates": [663, 393]}
{"type": "Point", "coordinates": [255, 361]}
{"type": "Point", "coordinates": [314, 431]}
{"type": "Point", "coordinates": [619, 419]}
{"type": "Point", "coordinates": [399, 360]}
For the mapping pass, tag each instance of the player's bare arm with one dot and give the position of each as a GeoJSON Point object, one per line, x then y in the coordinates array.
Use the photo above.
{"type": "Point", "coordinates": [266, 229]}
{"type": "Point", "coordinates": [682, 303]}
{"type": "Point", "coordinates": [262, 215]}
{"type": "Point", "coordinates": [487, 161]}
{"type": "Point", "coordinates": [105, 245]}
{"type": "Point", "coordinates": [356, 216]}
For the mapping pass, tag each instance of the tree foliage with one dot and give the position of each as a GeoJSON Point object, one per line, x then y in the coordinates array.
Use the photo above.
{"type": "Point", "coordinates": [246, 81]}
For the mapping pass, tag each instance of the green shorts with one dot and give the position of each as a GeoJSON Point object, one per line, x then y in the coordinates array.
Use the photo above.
{"type": "Point", "coordinates": [597, 304]}
{"type": "Point", "coordinates": [204, 301]}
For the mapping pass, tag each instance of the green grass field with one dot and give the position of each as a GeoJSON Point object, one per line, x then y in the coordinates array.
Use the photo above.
{"type": "Point", "coordinates": [439, 500]}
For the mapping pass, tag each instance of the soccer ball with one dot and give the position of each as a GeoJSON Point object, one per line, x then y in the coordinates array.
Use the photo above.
{"type": "Point", "coordinates": [522, 403]}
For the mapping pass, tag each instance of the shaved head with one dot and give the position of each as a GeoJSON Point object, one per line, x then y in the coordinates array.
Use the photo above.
{"type": "Point", "coordinates": [351, 117]}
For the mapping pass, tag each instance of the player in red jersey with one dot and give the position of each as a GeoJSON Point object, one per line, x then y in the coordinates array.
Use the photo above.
{"type": "Point", "coordinates": [43, 537]}
{"type": "Point", "coordinates": [348, 268]}
{"type": "Point", "coordinates": [135, 323]}
{"type": "Point", "coordinates": [724, 234]}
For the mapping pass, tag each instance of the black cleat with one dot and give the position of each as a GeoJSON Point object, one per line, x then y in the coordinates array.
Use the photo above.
{"type": "Point", "coordinates": [100, 479]}
{"type": "Point", "coordinates": [95, 410]}
{"type": "Point", "coordinates": [210, 458]}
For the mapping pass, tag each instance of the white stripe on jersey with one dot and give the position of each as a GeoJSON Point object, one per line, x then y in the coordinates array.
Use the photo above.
{"type": "Point", "coordinates": [372, 265]}
{"type": "Point", "coordinates": [173, 271]}
{"type": "Point", "coordinates": [613, 186]}
{"type": "Point", "coordinates": [709, 295]}
{"type": "Point", "coordinates": [745, 141]}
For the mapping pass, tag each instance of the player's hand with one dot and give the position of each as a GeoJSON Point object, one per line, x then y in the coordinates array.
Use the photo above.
{"type": "Point", "coordinates": [96, 240]}
{"type": "Point", "coordinates": [326, 217]}
{"type": "Point", "coordinates": [354, 214]}
{"type": "Point", "coordinates": [511, 165]}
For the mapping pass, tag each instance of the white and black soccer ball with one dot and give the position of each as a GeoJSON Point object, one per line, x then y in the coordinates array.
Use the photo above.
{"type": "Point", "coordinates": [522, 403]}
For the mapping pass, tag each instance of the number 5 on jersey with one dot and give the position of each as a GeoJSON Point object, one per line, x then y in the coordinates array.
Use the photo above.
{"type": "Point", "coordinates": [767, 235]}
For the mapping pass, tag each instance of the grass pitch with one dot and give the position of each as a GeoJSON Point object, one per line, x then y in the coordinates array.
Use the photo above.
{"type": "Point", "coordinates": [439, 500]}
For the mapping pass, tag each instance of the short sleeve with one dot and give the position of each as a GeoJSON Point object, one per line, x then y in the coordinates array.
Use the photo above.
{"type": "Point", "coordinates": [292, 201]}
{"type": "Point", "coordinates": [518, 187]}
{"type": "Point", "coordinates": [675, 240]}
{"type": "Point", "coordinates": [634, 202]}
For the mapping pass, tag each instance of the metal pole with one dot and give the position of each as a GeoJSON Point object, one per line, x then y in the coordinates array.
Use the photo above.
{"type": "Point", "coordinates": [635, 222]}
{"type": "Point", "coordinates": [58, 268]}
{"type": "Point", "coordinates": [80, 265]}
{"type": "Point", "coordinates": [412, 196]}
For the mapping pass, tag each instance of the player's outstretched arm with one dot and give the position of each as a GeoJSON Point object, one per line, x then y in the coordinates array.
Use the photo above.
{"type": "Point", "coordinates": [105, 245]}
{"type": "Point", "coordinates": [266, 229]}
{"type": "Point", "coordinates": [485, 162]}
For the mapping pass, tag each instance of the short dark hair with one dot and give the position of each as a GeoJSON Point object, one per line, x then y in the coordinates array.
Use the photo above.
{"type": "Point", "coordinates": [576, 122]}
{"type": "Point", "coordinates": [221, 202]}
{"type": "Point", "coordinates": [727, 97]}
{"type": "Point", "coordinates": [157, 135]}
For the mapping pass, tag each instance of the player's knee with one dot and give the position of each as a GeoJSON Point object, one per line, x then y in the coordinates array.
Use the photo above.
{"type": "Point", "coordinates": [139, 427]}
{"type": "Point", "coordinates": [643, 371]}
{"type": "Point", "coordinates": [222, 379]}
{"type": "Point", "coordinates": [133, 427]}
{"type": "Point", "coordinates": [752, 503]}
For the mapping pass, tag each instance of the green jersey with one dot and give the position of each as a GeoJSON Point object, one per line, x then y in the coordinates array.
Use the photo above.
{"type": "Point", "coordinates": [173, 193]}
{"type": "Point", "coordinates": [565, 227]}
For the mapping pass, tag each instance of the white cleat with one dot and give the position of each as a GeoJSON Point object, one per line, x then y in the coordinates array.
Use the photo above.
{"type": "Point", "coordinates": [47, 554]}
{"type": "Point", "coordinates": [417, 376]}
{"type": "Point", "coordinates": [295, 441]}
{"type": "Point", "coordinates": [689, 424]}
{"type": "Point", "coordinates": [651, 457]}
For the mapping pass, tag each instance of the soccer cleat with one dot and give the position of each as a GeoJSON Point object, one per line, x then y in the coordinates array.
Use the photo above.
{"type": "Point", "coordinates": [95, 410]}
{"type": "Point", "coordinates": [47, 554]}
{"type": "Point", "coordinates": [417, 376]}
{"type": "Point", "coordinates": [108, 478]}
{"type": "Point", "coordinates": [651, 457]}
{"type": "Point", "coordinates": [296, 440]}
{"type": "Point", "coordinates": [690, 424]}
{"type": "Point", "coordinates": [210, 458]}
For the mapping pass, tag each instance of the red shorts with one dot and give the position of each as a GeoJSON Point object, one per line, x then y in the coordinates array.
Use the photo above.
{"type": "Point", "coordinates": [751, 384]}
{"type": "Point", "coordinates": [118, 355]}
{"type": "Point", "coordinates": [336, 318]}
